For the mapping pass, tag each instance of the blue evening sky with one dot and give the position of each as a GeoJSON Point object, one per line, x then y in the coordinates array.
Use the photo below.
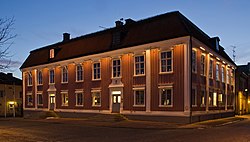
{"type": "Point", "coordinates": [40, 23]}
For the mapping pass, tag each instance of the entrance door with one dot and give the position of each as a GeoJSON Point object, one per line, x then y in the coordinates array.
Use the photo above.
{"type": "Point", "coordinates": [116, 101]}
{"type": "Point", "coordinates": [52, 101]}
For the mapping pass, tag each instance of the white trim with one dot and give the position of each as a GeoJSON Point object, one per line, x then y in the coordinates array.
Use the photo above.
{"type": "Point", "coordinates": [67, 72]}
{"type": "Point", "coordinates": [148, 80]}
{"type": "Point", "coordinates": [172, 96]}
{"type": "Point", "coordinates": [92, 103]}
{"type": "Point", "coordinates": [39, 93]}
{"type": "Point", "coordinates": [139, 89]}
{"type": "Point", "coordinates": [137, 55]}
{"type": "Point", "coordinates": [187, 77]}
{"type": "Point", "coordinates": [38, 71]}
{"type": "Point", "coordinates": [172, 61]}
{"type": "Point", "coordinates": [76, 71]}
{"type": "Point", "coordinates": [76, 96]}
{"type": "Point", "coordinates": [112, 71]}
{"type": "Point", "coordinates": [79, 90]}
{"type": "Point", "coordinates": [63, 99]}
{"type": "Point", "coordinates": [93, 75]}
{"type": "Point", "coordinates": [35, 83]}
{"type": "Point", "coordinates": [49, 76]}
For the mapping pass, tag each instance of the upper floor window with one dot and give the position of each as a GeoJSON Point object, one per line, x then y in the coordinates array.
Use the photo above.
{"type": "Point", "coordinates": [166, 61]}
{"type": "Point", "coordinates": [228, 76]}
{"type": "Point", "coordinates": [51, 76]}
{"type": "Point", "coordinates": [166, 96]}
{"type": "Point", "coordinates": [29, 79]}
{"type": "Point", "coordinates": [97, 70]}
{"type": "Point", "coordinates": [139, 65]}
{"type": "Point", "coordinates": [211, 68]}
{"type": "Point", "coordinates": [117, 68]}
{"type": "Point", "coordinates": [51, 53]}
{"type": "Point", "coordinates": [194, 61]}
{"type": "Point", "coordinates": [217, 72]}
{"type": "Point", "coordinates": [223, 74]}
{"type": "Point", "coordinates": [65, 74]}
{"type": "Point", "coordinates": [39, 78]}
{"type": "Point", "coordinates": [79, 73]}
{"type": "Point", "coordinates": [203, 65]}
{"type": "Point", "coordinates": [232, 77]}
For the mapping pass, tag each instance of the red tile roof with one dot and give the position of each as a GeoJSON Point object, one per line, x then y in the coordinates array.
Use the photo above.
{"type": "Point", "coordinates": [162, 27]}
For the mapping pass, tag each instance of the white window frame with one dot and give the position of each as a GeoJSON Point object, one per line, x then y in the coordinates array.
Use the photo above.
{"type": "Point", "coordinates": [38, 100]}
{"type": "Point", "coordinates": [223, 74]}
{"type": "Point", "coordinates": [93, 93]}
{"type": "Point", "coordinates": [117, 66]}
{"type": "Point", "coordinates": [232, 77]}
{"type": "Point", "coordinates": [203, 65]}
{"type": "Point", "coordinates": [30, 79]}
{"type": "Point", "coordinates": [82, 73]}
{"type": "Point", "coordinates": [64, 74]}
{"type": "Point", "coordinates": [195, 96]}
{"type": "Point", "coordinates": [76, 94]}
{"type": "Point", "coordinates": [211, 68]}
{"type": "Point", "coordinates": [139, 89]}
{"type": "Point", "coordinates": [52, 53]}
{"type": "Point", "coordinates": [94, 76]}
{"type": "Point", "coordinates": [194, 60]}
{"type": "Point", "coordinates": [228, 76]}
{"type": "Point", "coordinates": [160, 95]}
{"type": "Point", "coordinates": [217, 72]}
{"type": "Point", "coordinates": [172, 58]}
{"type": "Point", "coordinates": [50, 82]}
{"type": "Point", "coordinates": [39, 77]}
{"type": "Point", "coordinates": [29, 103]}
{"type": "Point", "coordinates": [140, 62]}
{"type": "Point", "coordinates": [64, 101]}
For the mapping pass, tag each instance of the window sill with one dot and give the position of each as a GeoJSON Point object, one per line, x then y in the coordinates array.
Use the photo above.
{"type": "Point", "coordinates": [79, 81]}
{"type": "Point", "coordinates": [96, 79]}
{"type": "Point", "coordinates": [65, 105]}
{"type": "Point", "coordinates": [64, 82]}
{"type": "Point", "coordinates": [29, 85]}
{"type": "Point", "coordinates": [96, 105]}
{"type": "Point", "coordinates": [30, 104]}
{"type": "Point", "coordinates": [138, 105]}
{"type": "Point", "coordinates": [51, 83]}
{"type": "Point", "coordinates": [166, 72]}
{"type": "Point", "coordinates": [194, 105]}
{"type": "Point", "coordinates": [116, 77]}
{"type": "Point", "coordinates": [165, 105]}
{"type": "Point", "coordinates": [39, 104]}
{"type": "Point", "coordinates": [138, 75]}
{"type": "Point", "coordinates": [79, 105]}
{"type": "Point", "coordinates": [39, 84]}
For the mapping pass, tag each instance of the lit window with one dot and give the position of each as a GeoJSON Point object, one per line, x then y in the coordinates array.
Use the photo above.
{"type": "Point", "coordinates": [39, 99]}
{"type": "Point", "coordinates": [116, 68]}
{"type": "Point", "coordinates": [139, 65]}
{"type": "Point", "coordinates": [39, 78]}
{"type": "Point", "coordinates": [51, 76]}
{"type": "Point", "coordinates": [65, 74]}
{"type": "Point", "coordinates": [203, 65]}
{"type": "Point", "coordinates": [29, 79]}
{"type": "Point", "coordinates": [79, 99]}
{"type": "Point", "coordinates": [97, 70]}
{"type": "Point", "coordinates": [51, 53]}
{"type": "Point", "coordinates": [194, 97]}
{"type": "Point", "coordinates": [223, 74]}
{"type": "Point", "coordinates": [217, 72]}
{"type": "Point", "coordinates": [166, 95]}
{"type": "Point", "coordinates": [79, 73]}
{"type": "Point", "coordinates": [139, 97]}
{"type": "Point", "coordinates": [166, 61]}
{"type": "Point", "coordinates": [65, 99]}
{"type": "Point", "coordinates": [211, 68]}
{"type": "Point", "coordinates": [203, 97]}
{"type": "Point", "coordinates": [29, 99]}
{"type": "Point", "coordinates": [220, 99]}
{"type": "Point", "coordinates": [214, 99]}
{"type": "Point", "coordinates": [194, 61]}
{"type": "Point", "coordinates": [96, 98]}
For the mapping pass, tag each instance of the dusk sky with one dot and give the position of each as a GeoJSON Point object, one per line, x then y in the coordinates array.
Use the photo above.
{"type": "Point", "coordinates": [40, 23]}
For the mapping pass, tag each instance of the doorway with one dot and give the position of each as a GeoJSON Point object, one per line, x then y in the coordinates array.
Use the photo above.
{"type": "Point", "coordinates": [116, 101]}
{"type": "Point", "coordinates": [52, 101]}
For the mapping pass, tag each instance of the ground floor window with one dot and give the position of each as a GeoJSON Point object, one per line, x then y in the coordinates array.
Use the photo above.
{"type": "Point", "coordinates": [65, 99]}
{"type": "Point", "coordinates": [214, 99]}
{"type": "Point", "coordinates": [139, 97]}
{"type": "Point", "coordinates": [220, 99]}
{"type": "Point", "coordinates": [210, 99]}
{"type": "Point", "coordinates": [194, 97]}
{"type": "Point", "coordinates": [166, 95]}
{"type": "Point", "coordinates": [39, 99]}
{"type": "Point", "coordinates": [96, 98]}
{"type": "Point", "coordinates": [29, 99]}
{"type": "Point", "coordinates": [79, 99]}
{"type": "Point", "coordinates": [203, 97]}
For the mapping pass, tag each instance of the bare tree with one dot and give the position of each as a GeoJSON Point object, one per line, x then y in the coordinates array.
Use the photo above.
{"type": "Point", "coordinates": [6, 40]}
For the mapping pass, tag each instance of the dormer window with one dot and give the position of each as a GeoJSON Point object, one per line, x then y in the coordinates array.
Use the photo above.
{"type": "Point", "coordinates": [51, 53]}
{"type": "Point", "coordinates": [217, 45]}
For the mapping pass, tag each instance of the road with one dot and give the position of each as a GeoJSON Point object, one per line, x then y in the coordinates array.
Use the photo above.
{"type": "Point", "coordinates": [60, 130]}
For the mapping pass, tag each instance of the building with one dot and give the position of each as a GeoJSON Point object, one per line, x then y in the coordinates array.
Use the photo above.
{"type": "Point", "coordinates": [241, 87]}
{"type": "Point", "coordinates": [162, 67]}
{"type": "Point", "coordinates": [10, 95]}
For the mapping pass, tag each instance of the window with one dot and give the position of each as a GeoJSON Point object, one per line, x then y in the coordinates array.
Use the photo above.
{"type": "Point", "coordinates": [220, 99]}
{"type": "Point", "coordinates": [232, 77]}
{"type": "Point", "coordinates": [166, 96]}
{"type": "Point", "coordinates": [39, 78]}
{"type": "Point", "coordinates": [29, 99]}
{"type": "Point", "coordinates": [39, 99]}
{"type": "Point", "coordinates": [139, 65]}
{"type": "Point", "coordinates": [211, 68]}
{"type": "Point", "coordinates": [228, 76]}
{"type": "Point", "coordinates": [214, 99]}
{"type": "Point", "coordinates": [194, 97]}
{"type": "Point", "coordinates": [210, 99]}
{"type": "Point", "coordinates": [65, 74]}
{"type": "Point", "coordinates": [29, 79]}
{"type": "Point", "coordinates": [51, 53]}
{"type": "Point", "coordinates": [194, 61]}
{"type": "Point", "coordinates": [79, 99]}
{"type": "Point", "coordinates": [97, 70]}
{"type": "Point", "coordinates": [79, 73]}
{"type": "Point", "coordinates": [65, 99]}
{"type": "Point", "coordinates": [203, 97]}
{"type": "Point", "coordinates": [223, 74]}
{"type": "Point", "coordinates": [139, 97]}
{"type": "Point", "coordinates": [203, 65]}
{"type": "Point", "coordinates": [51, 76]}
{"type": "Point", "coordinates": [166, 61]}
{"type": "Point", "coordinates": [1, 93]}
{"type": "Point", "coordinates": [116, 68]}
{"type": "Point", "coordinates": [217, 72]}
{"type": "Point", "coordinates": [96, 98]}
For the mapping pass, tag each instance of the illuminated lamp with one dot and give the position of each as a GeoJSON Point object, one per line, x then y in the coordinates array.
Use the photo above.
{"type": "Point", "coordinates": [202, 48]}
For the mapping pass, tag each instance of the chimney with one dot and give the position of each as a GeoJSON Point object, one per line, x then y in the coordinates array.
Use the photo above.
{"type": "Point", "coordinates": [66, 36]}
{"type": "Point", "coordinates": [129, 21]}
{"type": "Point", "coordinates": [10, 74]}
{"type": "Point", "coordinates": [118, 23]}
